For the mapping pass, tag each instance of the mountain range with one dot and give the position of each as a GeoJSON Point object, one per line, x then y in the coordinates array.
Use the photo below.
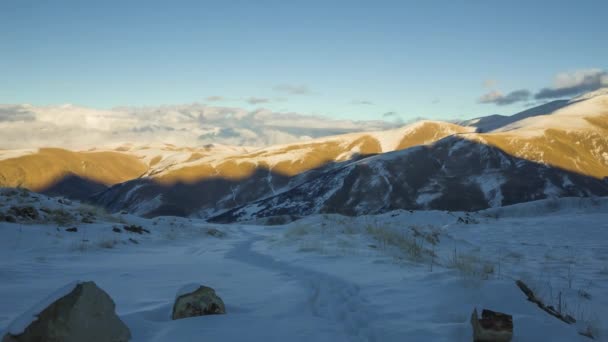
{"type": "Point", "coordinates": [558, 149]}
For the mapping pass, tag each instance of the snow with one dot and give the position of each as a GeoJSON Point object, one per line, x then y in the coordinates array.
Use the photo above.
{"type": "Point", "coordinates": [551, 190]}
{"type": "Point", "coordinates": [427, 197]}
{"type": "Point", "coordinates": [148, 205]}
{"type": "Point", "coordinates": [490, 184]}
{"type": "Point", "coordinates": [389, 140]}
{"type": "Point", "coordinates": [9, 154]}
{"type": "Point", "coordinates": [21, 323]}
{"type": "Point", "coordinates": [187, 289]}
{"type": "Point", "coordinates": [327, 277]}
{"type": "Point", "coordinates": [569, 118]}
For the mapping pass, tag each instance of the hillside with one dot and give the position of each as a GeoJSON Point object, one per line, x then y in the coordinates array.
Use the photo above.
{"type": "Point", "coordinates": [452, 174]}
{"type": "Point", "coordinates": [218, 182]}
{"type": "Point", "coordinates": [63, 172]}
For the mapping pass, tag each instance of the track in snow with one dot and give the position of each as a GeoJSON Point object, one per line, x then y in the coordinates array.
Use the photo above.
{"type": "Point", "coordinates": [330, 297]}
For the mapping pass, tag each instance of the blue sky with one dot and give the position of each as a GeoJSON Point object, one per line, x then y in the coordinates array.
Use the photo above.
{"type": "Point", "coordinates": [342, 59]}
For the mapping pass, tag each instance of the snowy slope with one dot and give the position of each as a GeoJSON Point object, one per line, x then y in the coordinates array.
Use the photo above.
{"type": "Point", "coordinates": [569, 117]}
{"type": "Point", "coordinates": [496, 122]}
{"type": "Point", "coordinates": [392, 277]}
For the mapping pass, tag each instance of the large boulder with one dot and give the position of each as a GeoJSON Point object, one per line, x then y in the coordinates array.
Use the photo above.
{"type": "Point", "coordinates": [79, 311]}
{"type": "Point", "coordinates": [197, 300]}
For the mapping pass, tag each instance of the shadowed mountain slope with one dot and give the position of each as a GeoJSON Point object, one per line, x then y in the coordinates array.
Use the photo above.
{"type": "Point", "coordinates": [216, 183]}
{"type": "Point", "coordinates": [452, 174]}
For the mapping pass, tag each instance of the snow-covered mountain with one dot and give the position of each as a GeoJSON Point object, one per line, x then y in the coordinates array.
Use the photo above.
{"type": "Point", "coordinates": [217, 182]}
{"type": "Point", "coordinates": [452, 174]}
{"type": "Point", "coordinates": [554, 150]}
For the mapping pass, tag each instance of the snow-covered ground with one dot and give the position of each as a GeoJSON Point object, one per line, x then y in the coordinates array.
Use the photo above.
{"type": "Point", "coordinates": [413, 276]}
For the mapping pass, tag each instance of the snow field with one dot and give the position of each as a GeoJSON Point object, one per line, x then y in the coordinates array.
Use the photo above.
{"type": "Point", "coordinates": [400, 275]}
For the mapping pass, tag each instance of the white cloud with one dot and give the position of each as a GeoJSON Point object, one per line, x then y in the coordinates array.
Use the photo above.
{"type": "Point", "coordinates": [293, 89]}
{"type": "Point", "coordinates": [257, 100]}
{"type": "Point", "coordinates": [498, 98]}
{"type": "Point", "coordinates": [24, 126]}
{"type": "Point", "coordinates": [567, 84]}
{"type": "Point", "coordinates": [215, 98]}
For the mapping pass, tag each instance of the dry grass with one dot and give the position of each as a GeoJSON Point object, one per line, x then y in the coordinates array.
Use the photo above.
{"type": "Point", "coordinates": [195, 156]}
{"type": "Point", "coordinates": [315, 155]}
{"type": "Point", "coordinates": [60, 217]}
{"type": "Point", "coordinates": [471, 265]}
{"type": "Point", "coordinates": [409, 246]}
{"type": "Point", "coordinates": [575, 151]}
{"type": "Point", "coordinates": [155, 160]}
{"type": "Point", "coordinates": [40, 170]}
{"type": "Point", "coordinates": [429, 132]}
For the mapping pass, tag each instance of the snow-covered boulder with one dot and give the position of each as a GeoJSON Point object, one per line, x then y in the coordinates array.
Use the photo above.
{"type": "Point", "coordinates": [197, 300]}
{"type": "Point", "coordinates": [79, 311]}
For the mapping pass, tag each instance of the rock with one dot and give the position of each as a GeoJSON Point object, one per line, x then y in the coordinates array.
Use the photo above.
{"type": "Point", "coordinates": [136, 229]}
{"type": "Point", "coordinates": [116, 230]}
{"type": "Point", "coordinates": [492, 327]}
{"type": "Point", "coordinates": [80, 311]}
{"type": "Point", "coordinates": [197, 300]}
{"type": "Point", "coordinates": [72, 230]}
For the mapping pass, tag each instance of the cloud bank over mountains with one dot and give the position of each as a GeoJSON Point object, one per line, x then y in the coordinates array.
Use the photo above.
{"type": "Point", "coordinates": [565, 85]}
{"type": "Point", "coordinates": [26, 126]}
{"type": "Point", "coordinates": [574, 83]}
{"type": "Point", "coordinates": [498, 98]}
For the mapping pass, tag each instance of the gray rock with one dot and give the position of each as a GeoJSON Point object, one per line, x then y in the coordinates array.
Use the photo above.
{"type": "Point", "coordinates": [195, 301]}
{"type": "Point", "coordinates": [86, 313]}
